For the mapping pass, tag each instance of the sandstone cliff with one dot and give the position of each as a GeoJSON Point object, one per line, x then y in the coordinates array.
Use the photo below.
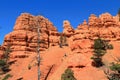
{"type": "Point", "coordinates": [25, 36]}
{"type": "Point", "coordinates": [76, 55]}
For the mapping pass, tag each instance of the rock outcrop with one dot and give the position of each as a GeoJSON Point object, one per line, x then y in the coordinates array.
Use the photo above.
{"type": "Point", "coordinates": [24, 37]}
{"type": "Point", "coordinates": [105, 26]}
{"type": "Point", "coordinates": [68, 30]}
{"type": "Point", "coordinates": [76, 55]}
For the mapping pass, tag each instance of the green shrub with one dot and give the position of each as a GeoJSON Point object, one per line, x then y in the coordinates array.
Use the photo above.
{"type": "Point", "coordinates": [4, 66]}
{"type": "Point", "coordinates": [114, 77]}
{"type": "Point", "coordinates": [110, 46]}
{"type": "Point", "coordinates": [115, 67]}
{"type": "Point", "coordinates": [99, 50]}
{"type": "Point", "coordinates": [99, 44]}
{"type": "Point", "coordinates": [2, 63]}
{"type": "Point", "coordinates": [68, 75]}
{"type": "Point", "coordinates": [116, 74]}
{"type": "Point", "coordinates": [63, 41]}
{"type": "Point", "coordinates": [7, 76]}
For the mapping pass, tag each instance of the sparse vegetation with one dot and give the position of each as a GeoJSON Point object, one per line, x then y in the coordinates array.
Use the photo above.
{"type": "Point", "coordinates": [7, 76]}
{"type": "Point", "coordinates": [7, 52]}
{"type": "Point", "coordinates": [100, 46]}
{"type": "Point", "coordinates": [4, 65]}
{"type": "Point", "coordinates": [115, 75]}
{"type": "Point", "coordinates": [109, 46]}
{"type": "Point", "coordinates": [63, 40]}
{"type": "Point", "coordinates": [115, 67]}
{"type": "Point", "coordinates": [119, 14]}
{"type": "Point", "coordinates": [68, 75]}
{"type": "Point", "coordinates": [99, 51]}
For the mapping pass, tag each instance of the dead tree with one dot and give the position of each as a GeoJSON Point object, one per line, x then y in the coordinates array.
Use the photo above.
{"type": "Point", "coordinates": [119, 14]}
{"type": "Point", "coordinates": [38, 49]}
{"type": "Point", "coordinates": [49, 71]}
{"type": "Point", "coordinates": [37, 29]}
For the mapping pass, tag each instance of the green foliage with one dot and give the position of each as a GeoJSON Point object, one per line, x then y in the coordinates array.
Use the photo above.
{"type": "Point", "coordinates": [99, 50]}
{"type": "Point", "coordinates": [114, 77]}
{"type": "Point", "coordinates": [99, 44]}
{"type": "Point", "coordinates": [109, 46]}
{"type": "Point", "coordinates": [68, 75]}
{"type": "Point", "coordinates": [115, 67]}
{"type": "Point", "coordinates": [2, 63]}
{"type": "Point", "coordinates": [63, 40]}
{"type": "Point", "coordinates": [7, 52]}
{"type": "Point", "coordinates": [4, 66]}
{"type": "Point", "coordinates": [7, 76]}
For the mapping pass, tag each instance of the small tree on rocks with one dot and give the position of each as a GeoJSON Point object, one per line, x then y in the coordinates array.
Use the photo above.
{"type": "Point", "coordinates": [99, 51]}
{"type": "Point", "coordinates": [68, 75]}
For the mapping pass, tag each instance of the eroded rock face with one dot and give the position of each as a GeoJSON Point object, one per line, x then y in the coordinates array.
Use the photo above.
{"type": "Point", "coordinates": [68, 30]}
{"type": "Point", "coordinates": [105, 26]}
{"type": "Point", "coordinates": [77, 60]}
{"type": "Point", "coordinates": [1, 51]}
{"type": "Point", "coordinates": [24, 37]}
{"type": "Point", "coordinates": [94, 21]}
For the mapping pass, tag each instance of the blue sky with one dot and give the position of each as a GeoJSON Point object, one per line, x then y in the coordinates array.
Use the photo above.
{"type": "Point", "coordinates": [55, 10]}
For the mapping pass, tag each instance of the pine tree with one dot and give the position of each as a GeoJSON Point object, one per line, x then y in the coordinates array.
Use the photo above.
{"type": "Point", "coordinates": [68, 75]}
{"type": "Point", "coordinates": [7, 52]}
{"type": "Point", "coordinates": [4, 64]}
{"type": "Point", "coordinates": [99, 51]}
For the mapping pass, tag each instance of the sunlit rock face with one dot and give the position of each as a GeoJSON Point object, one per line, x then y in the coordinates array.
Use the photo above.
{"type": "Point", "coordinates": [105, 26]}
{"type": "Point", "coordinates": [77, 55]}
{"type": "Point", "coordinates": [24, 37]}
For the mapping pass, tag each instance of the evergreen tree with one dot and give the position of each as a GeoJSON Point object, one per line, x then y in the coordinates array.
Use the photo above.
{"type": "Point", "coordinates": [7, 52]}
{"type": "Point", "coordinates": [99, 51]}
{"type": "Point", "coordinates": [68, 75]}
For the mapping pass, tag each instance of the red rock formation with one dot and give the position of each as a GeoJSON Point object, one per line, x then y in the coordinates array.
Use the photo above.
{"type": "Point", "coordinates": [1, 51]}
{"type": "Point", "coordinates": [94, 21]}
{"type": "Point", "coordinates": [105, 26]}
{"type": "Point", "coordinates": [24, 37]}
{"type": "Point", "coordinates": [68, 30]}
